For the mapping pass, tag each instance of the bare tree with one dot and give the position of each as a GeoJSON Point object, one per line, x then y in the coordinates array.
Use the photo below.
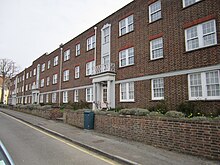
{"type": "Point", "coordinates": [7, 70]}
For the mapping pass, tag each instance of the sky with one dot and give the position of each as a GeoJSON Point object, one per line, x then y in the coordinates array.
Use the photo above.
{"type": "Point", "coordinates": [30, 28]}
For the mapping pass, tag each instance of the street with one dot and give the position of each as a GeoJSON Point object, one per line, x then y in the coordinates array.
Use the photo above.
{"type": "Point", "coordinates": [28, 145]}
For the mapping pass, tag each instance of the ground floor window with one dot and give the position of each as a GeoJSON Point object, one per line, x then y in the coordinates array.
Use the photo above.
{"type": "Point", "coordinates": [65, 97]}
{"type": "Point", "coordinates": [76, 95]}
{"type": "Point", "coordinates": [54, 97]}
{"type": "Point", "coordinates": [157, 89]}
{"type": "Point", "coordinates": [41, 98]}
{"type": "Point", "coordinates": [127, 91]}
{"type": "Point", "coordinates": [204, 85]}
{"type": "Point", "coordinates": [89, 94]}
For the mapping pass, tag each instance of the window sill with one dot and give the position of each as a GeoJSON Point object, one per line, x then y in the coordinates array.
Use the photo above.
{"type": "Point", "coordinates": [119, 36]}
{"type": "Point", "coordinates": [90, 50]}
{"type": "Point", "coordinates": [66, 60]}
{"type": "Point", "coordinates": [190, 51]}
{"type": "Point", "coordinates": [156, 59]}
{"type": "Point", "coordinates": [149, 23]}
{"type": "Point", "coordinates": [185, 7]}
{"type": "Point", "coordinates": [121, 67]}
{"type": "Point", "coordinates": [127, 101]}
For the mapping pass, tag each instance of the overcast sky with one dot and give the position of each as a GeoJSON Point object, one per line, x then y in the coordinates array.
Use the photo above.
{"type": "Point", "coordinates": [29, 28]}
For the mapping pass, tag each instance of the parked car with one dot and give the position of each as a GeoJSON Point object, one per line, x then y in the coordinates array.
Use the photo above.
{"type": "Point", "coordinates": [5, 158]}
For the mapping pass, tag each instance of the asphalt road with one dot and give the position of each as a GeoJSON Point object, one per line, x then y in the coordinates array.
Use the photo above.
{"type": "Point", "coordinates": [30, 146]}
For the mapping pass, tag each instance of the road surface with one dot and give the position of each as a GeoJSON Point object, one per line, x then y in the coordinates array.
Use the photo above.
{"type": "Point", "coordinates": [30, 146]}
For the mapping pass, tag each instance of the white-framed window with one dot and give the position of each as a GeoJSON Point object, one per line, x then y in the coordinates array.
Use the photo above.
{"type": "Point", "coordinates": [65, 97]}
{"type": "Point", "coordinates": [204, 85]}
{"type": "Point", "coordinates": [43, 67]}
{"type": "Point", "coordinates": [155, 11]}
{"type": "Point", "coordinates": [22, 89]}
{"type": "Point", "coordinates": [78, 49]}
{"type": "Point", "coordinates": [77, 72]}
{"type": "Point", "coordinates": [66, 75]}
{"type": "Point", "coordinates": [156, 48]}
{"type": "Point", "coordinates": [157, 86]}
{"type": "Point", "coordinates": [54, 78]}
{"type": "Point", "coordinates": [201, 35]}
{"type": "Point", "coordinates": [126, 57]}
{"type": "Point", "coordinates": [41, 98]}
{"type": "Point", "coordinates": [76, 95]}
{"type": "Point", "coordinates": [42, 83]}
{"type": "Point", "coordinates": [106, 35]}
{"type": "Point", "coordinates": [89, 67]}
{"type": "Point", "coordinates": [127, 92]}
{"type": "Point", "coordinates": [48, 81]}
{"type": "Point", "coordinates": [89, 94]}
{"type": "Point", "coordinates": [54, 97]}
{"type": "Point", "coordinates": [48, 64]}
{"type": "Point", "coordinates": [189, 2]}
{"type": "Point", "coordinates": [26, 87]}
{"type": "Point", "coordinates": [66, 55]}
{"type": "Point", "coordinates": [29, 87]}
{"type": "Point", "coordinates": [47, 98]}
{"type": "Point", "coordinates": [27, 75]}
{"type": "Point", "coordinates": [91, 42]}
{"type": "Point", "coordinates": [30, 73]}
{"type": "Point", "coordinates": [55, 61]}
{"type": "Point", "coordinates": [126, 25]}
{"type": "Point", "coordinates": [34, 72]}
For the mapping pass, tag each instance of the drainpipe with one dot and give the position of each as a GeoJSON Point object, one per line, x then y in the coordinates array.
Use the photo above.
{"type": "Point", "coordinates": [23, 93]}
{"type": "Point", "coordinates": [95, 28]}
{"type": "Point", "coordinates": [61, 65]}
{"type": "Point", "coordinates": [94, 72]}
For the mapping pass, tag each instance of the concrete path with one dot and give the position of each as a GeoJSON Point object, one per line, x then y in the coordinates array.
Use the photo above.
{"type": "Point", "coordinates": [124, 151]}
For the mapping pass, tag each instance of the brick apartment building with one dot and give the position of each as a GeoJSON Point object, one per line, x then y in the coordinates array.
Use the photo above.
{"type": "Point", "coordinates": [149, 50]}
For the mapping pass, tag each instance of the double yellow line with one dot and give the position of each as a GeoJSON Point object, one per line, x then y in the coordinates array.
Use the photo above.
{"type": "Point", "coordinates": [67, 143]}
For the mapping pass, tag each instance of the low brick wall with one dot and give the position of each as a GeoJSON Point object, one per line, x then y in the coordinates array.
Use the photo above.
{"type": "Point", "coordinates": [74, 118]}
{"type": "Point", "coordinates": [200, 138]}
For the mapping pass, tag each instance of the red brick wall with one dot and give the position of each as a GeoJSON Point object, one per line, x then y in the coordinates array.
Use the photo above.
{"type": "Point", "coordinates": [194, 137]}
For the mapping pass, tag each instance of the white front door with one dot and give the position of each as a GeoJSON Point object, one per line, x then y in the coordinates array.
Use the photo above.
{"type": "Point", "coordinates": [104, 99]}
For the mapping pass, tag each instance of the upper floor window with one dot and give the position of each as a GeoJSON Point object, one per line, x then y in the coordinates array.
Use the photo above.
{"type": "Point", "coordinates": [48, 81]}
{"type": "Point", "coordinates": [55, 61]}
{"type": "Point", "coordinates": [201, 35]}
{"type": "Point", "coordinates": [127, 91]}
{"type": "Point", "coordinates": [89, 94]}
{"type": "Point", "coordinates": [189, 2]}
{"type": "Point", "coordinates": [43, 67]}
{"type": "Point", "coordinates": [126, 57]}
{"type": "Point", "coordinates": [106, 35]}
{"type": "Point", "coordinates": [78, 49]}
{"type": "Point", "coordinates": [66, 55]}
{"type": "Point", "coordinates": [27, 75]}
{"type": "Point", "coordinates": [89, 67]}
{"type": "Point", "coordinates": [155, 11]}
{"type": "Point", "coordinates": [34, 72]}
{"type": "Point", "coordinates": [156, 48]}
{"type": "Point", "coordinates": [42, 83]}
{"type": "Point", "coordinates": [48, 64]}
{"type": "Point", "coordinates": [30, 73]}
{"type": "Point", "coordinates": [77, 72]}
{"type": "Point", "coordinates": [204, 85]}
{"type": "Point", "coordinates": [66, 75]}
{"type": "Point", "coordinates": [157, 89]}
{"type": "Point", "coordinates": [91, 43]}
{"type": "Point", "coordinates": [54, 78]}
{"type": "Point", "coordinates": [126, 25]}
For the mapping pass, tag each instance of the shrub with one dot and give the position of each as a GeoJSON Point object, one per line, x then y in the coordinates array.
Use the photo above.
{"type": "Point", "coordinates": [134, 111]}
{"type": "Point", "coordinates": [175, 114]}
{"type": "Point", "coordinates": [201, 118]}
{"type": "Point", "coordinates": [153, 113]}
{"type": "Point", "coordinates": [160, 107]}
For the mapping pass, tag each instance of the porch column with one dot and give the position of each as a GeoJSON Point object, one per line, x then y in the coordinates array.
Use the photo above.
{"type": "Point", "coordinates": [109, 93]}
{"type": "Point", "coordinates": [94, 97]}
{"type": "Point", "coordinates": [98, 93]}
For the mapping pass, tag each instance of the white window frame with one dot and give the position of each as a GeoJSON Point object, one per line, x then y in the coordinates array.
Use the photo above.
{"type": "Point", "coordinates": [186, 5]}
{"type": "Point", "coordinates": [54, 97]}
{"type": "Point", "coordinates": [66, 55]}
{"type": "Point", "coordinates": [126, 25]}
{"type": "Point", "coordinates": [65, 96]}
{"type": "Point", "coordinates": [78, 49]}
{"type": "Point", "coordinates": [154, 12]}
{"type": "Point", "coordinates": [200, 35]}
{"type": "Point", "coordinates": [30, 74]}
{"type": "Point", "coordinates": [34, 72]}
{"type": "Point", "coordinates": [91, 43]}
{"type": "Point", "coordinates": [48, 64]}
{"type": "Point", "coordinates": [55, 61]}
{"type": "Point", "coordinates": [41, 98]}
{"type": "Point", "coordinates": [89, 95]}
{"type": "Point", "coordinates": [76, 95]}
{"type": "Point", "coordinates": [152, 42]}
{"type": "Point", "coordinates": [42, 83]}
{"type": "Point", "coordinates": [152, 88]}
{"type": "Point", "coordinates": [27, 75]}
{"type": "Point", "coordinates": [89, 67]}
{"type": "Point", "coordinates": [43, 67]}
{"type": "Point", "coordinates": [48, 81]}
{"type": "Point", "coordinates": [106, 35]}
{"type": "Point", "coordinates": [55, 79]}
{"type": "Point", "coordinates": [29, 87]}
{"type": "Point", "coordinates": [66, 75]}
{"type": "Point", "coordinates": [77, 70]}
{"type": "Point", "coordinates": [203, 86]}
{"type": "Point", "coordinates": [128, 91]}
{"type": "Point", "coordinates": [47, 98]}
{"type": "Point", "coordinates": [127, 57]}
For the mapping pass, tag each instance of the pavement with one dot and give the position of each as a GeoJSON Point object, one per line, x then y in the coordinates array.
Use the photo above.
{"type": "Point", "coordinates": [118, 149]}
